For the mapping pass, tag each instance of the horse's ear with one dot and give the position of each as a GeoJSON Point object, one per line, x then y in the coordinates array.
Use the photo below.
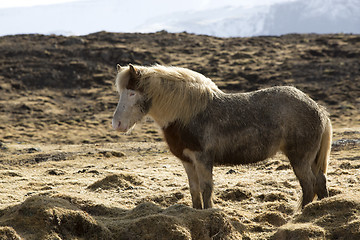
{"type": "Point", "coordinates": [134, 77]}
{"type": "Point", "coordinates": [133, 71]}
{"type": "Point", "coordinates": [118, 67]}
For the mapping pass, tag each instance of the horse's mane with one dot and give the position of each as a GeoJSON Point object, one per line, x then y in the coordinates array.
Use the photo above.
{"type": "Point", "coordinates": [176, 93]}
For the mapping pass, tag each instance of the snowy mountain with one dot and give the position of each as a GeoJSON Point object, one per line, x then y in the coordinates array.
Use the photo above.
{"type": "Point", "coordinates": [302, 16]}
{"type": "Point", "coordinates": [223, 22]}
{"type": "Point", "coordinates": [281, 17]}
{"type": "Point", "coordinates": [314, 16]}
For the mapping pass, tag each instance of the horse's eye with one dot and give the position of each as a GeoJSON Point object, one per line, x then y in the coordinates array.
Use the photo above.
{"type": "Point", "coordinates": [131, 94]}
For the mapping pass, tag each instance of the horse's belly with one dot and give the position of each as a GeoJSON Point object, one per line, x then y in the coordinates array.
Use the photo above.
{"type": "Point", "coordinates": [236, 159]}
{"type": "Point", "coordinates": [244, 155]}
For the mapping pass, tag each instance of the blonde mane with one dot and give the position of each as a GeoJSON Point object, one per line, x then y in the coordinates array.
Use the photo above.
{"type": "Point", "coordinates": [176, 93]}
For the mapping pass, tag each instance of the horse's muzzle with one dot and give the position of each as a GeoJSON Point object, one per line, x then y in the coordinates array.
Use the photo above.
{"type": "Point", "coordinates": [118, 127]}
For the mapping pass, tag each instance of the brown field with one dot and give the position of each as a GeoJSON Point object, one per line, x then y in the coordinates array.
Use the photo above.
{"type": "Point", "coordinates": [65, 174]}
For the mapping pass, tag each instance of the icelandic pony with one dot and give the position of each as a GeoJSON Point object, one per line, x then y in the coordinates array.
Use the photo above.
{"type": "Point", "coordinates": [204, 126]}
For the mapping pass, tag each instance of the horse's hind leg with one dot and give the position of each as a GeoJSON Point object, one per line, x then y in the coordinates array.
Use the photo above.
{"type": "Point", "coordinates": [301, 164]}
{"type": "Point", "coordinates": [307, 182]}
{"type": "Point", "coordinates": [320, 185]}
{"type": "Point", "coordinates": [193, 184]}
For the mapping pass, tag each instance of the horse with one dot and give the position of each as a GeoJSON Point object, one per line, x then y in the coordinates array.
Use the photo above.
{"type": "Point", "coordinates": [203, 125]}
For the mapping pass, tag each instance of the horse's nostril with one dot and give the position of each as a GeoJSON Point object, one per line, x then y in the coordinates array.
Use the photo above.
{"type": "Point", "coordinates": [116, 124]}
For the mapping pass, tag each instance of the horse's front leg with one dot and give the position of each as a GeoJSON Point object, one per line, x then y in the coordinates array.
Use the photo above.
{"type": "Point", "coordinates": [203, 172]}
{"type": "Point", "coordinates": [193, 184]}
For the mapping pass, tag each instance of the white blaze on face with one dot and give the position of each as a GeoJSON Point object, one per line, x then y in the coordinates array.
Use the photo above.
{"type": "Point", "coordinates": [127, 112]}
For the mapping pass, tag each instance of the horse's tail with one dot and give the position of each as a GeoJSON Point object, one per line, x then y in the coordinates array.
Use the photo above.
{"type": "Point", "coordinates": [323, 154]}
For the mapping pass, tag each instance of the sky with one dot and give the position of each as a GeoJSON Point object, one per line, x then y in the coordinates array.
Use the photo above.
{"type": "Point", "coordinates": [223, 18]}
{"type": "Point", "coordinates": [29, 3]}
{"type": "Point", "coordinates": [198, 5]}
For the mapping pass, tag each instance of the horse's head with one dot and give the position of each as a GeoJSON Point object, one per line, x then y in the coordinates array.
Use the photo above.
{"type": "Point", "coordinates": [133, 104]}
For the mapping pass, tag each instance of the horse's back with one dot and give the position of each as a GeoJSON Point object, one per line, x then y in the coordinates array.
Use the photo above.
{"type": "Point", "coordinates": [273, 106]}
{"type": "Point", "coordinates": [288, 105]}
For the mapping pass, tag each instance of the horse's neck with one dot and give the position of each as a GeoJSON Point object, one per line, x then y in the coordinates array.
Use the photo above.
{"type": "Point", "coordinates": [159, 118]}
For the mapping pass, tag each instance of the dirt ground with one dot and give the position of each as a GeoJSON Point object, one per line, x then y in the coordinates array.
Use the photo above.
{"type": "Point", "coordinates": [65, 174]}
